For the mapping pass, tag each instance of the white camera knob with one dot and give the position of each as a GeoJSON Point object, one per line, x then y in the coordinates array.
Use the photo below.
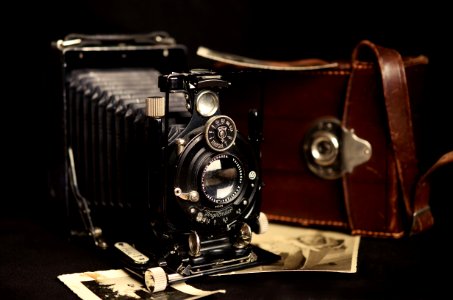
{"type": "Point", "coordinates": [156, 279]}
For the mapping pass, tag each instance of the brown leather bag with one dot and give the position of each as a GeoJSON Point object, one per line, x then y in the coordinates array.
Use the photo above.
{"type": "Point", "coordinates": [341, 145]}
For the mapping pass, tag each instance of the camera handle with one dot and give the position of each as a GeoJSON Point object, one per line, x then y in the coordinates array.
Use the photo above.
{"type": "Point", "coordinates": [84, 210]}
{"type": "Point", "coordinates": [84, 40]}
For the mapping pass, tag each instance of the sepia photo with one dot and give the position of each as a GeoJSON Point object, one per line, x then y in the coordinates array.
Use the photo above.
{"type": "Point", "coordinates": [118, 284]}
{"type": "Point", "coordinates": [303, 249]}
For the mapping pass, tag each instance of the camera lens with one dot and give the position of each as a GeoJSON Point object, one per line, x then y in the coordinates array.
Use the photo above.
{"type": "Point", "coordinates": [227, 183]}
{"type": "Point", "coordinates": [222, 179]}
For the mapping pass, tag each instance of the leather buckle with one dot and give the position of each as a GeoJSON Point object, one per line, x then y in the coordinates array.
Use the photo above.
{"type": "Point", "coordinates": [421, 219]}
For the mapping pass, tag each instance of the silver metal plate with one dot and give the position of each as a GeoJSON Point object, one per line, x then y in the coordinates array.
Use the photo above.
{"type": "Point", "coordinates": [136, 256]}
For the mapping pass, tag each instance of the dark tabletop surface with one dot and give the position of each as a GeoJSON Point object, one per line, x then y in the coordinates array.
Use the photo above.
{"type": "Point", "coordinates": [33, 254]}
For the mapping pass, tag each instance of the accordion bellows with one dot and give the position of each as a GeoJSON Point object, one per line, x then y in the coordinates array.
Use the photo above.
{"type": "Point", "coordinates": [106, 129]}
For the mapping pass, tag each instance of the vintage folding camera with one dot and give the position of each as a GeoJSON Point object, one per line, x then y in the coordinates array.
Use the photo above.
{"type": "Point", "coordinates": [151, 168]}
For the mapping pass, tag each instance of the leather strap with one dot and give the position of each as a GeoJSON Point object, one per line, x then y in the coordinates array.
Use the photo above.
{"type": "Point", "coordinates": [422, 218]}
{"type": "Point", "coordinates": [397, 104]}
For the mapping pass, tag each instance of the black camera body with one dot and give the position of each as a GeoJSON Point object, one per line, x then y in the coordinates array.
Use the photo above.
{"type": "Point", "coordinates": [151, 167]}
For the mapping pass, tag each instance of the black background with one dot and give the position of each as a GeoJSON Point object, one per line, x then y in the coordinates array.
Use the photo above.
{"type": "Point", "coordinates": [282, 30]}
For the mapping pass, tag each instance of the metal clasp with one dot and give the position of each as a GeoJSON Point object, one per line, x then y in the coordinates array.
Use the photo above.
{"type": "Point", "coordinates": [331, 150]}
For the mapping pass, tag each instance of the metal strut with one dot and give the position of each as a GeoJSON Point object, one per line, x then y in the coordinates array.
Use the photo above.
{"type": "Point", "coordinates": [84, 210]}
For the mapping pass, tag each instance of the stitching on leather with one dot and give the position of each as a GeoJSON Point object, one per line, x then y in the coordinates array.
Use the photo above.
{"type": "Point", "coordinates": [422, 60]}
{"type": "Point", "coordinates": [306, 221]}
{"type": "Point", "coordinates": [395, 235]}
{"type": "Point", "coordinates": [361, 232]}
{"type": "Point", "coordinates": [330, 73]}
